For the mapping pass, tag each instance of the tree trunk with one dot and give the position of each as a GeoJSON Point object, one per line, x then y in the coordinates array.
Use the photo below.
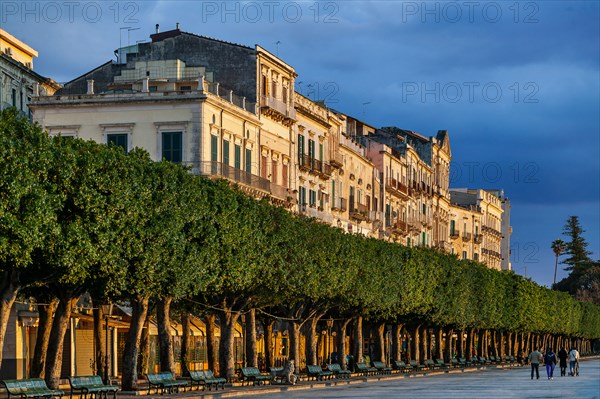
{"type": "Point", "coordinates": [415, 344]}
{"type": "Point", "coordinates": [227, 320]}
{"type": "Point", "coordinates": [212, 347]}
{"type": "Point", "coordinates": [397, 342]}
{"type": "Point", "coordinates": [341, 343]}
{"type": "Point", "coordinates": [424, 343]}
{"type": "Point", "coordinates": [99, 340]}
{"type": "Point", "coordinates": [250, 338]}
{"type": "Point", "coordinates": [311, 340]}
{"type": "Point", "coordinates": [57, 338]}
{"type": "Point", "coordinates": [449, 347]}
{"type": "Point", "coordinates": [358, 331]}
{"type": "Point", "coordinates": [144, 352]}
{"type": "Point", "coordinates": [461, 348]}
{"type": "Point", "coordinates": [185, 343]}
{"type": "Point", "coordinates": [268, 341]}
{"type": "Point", "coordinates": [9, 288]}
{"type": "Point", "coordinates": [46, 315]}
{"type": "Point", "coordinates": [380, 353]}
{"type": "Point", "coordinates": [439, 354]}
{"type": "Point", "coordinates": [165, 344]}
{"type": "Point", "coordinates": [295, 337]}
{"type": "Point", "coordinates": [139, 310]}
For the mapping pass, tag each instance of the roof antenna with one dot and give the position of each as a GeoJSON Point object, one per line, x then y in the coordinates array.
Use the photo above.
{"type": "Point", "coordinates": [277, 48]}
{"type": "Point", "coordinates": [177, 25]}
{"type": "Point", "coordinates": [157, 28]}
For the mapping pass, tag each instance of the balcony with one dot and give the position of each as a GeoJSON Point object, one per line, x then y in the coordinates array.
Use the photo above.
{"type": "Point", "coordinates": [336, 160]}
{"type": "Point", "coordinates": [399, 227]}
{"type": "Point", "coordinates": [247, 180]}
{"type": "Point", "coordinates": [478, 238]}
{"type": "Point", "coordinates": [466, 237]}
{"type": "Point", "coordinates": [315, 166]}
{"type": "Point", "coordinates": [359, 212]}
{"type": "Point", "coordinates": [397, 188]}
{"type": "Point", "coordinates": [278, 110]}
{"type": "Point", "coordinates": [444, 246]}
{"type": "Point", "coordinates": [454, 234]}
{"type": "Point", "coordinates": [339, 204]}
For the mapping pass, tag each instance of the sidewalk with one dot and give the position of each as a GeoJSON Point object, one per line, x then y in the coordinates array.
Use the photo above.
{"type": "Point", "coordinates": [401, 382]}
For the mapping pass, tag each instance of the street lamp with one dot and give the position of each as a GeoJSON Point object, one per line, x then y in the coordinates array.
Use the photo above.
{"type": "Point", "coordinates": [329, 327]}
{"type": "Point", "coordinates": [107, 311]}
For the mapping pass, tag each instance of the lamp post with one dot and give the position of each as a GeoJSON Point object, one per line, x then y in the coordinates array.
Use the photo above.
{"type": "Point", "coordinates": [107, 311]}
{"type": "Point", "coordinates": [329, 327]}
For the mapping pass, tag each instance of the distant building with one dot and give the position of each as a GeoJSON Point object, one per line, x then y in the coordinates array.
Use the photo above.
{"type": "Point", "coordinates": [483, 206]}
{"type": "Point", "coordinates": [506, 229]}
{"type": "Point", "coordinates": [19, 83]}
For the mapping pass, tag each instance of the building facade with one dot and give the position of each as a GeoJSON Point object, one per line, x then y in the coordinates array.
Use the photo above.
{"type": "Point", "coordinates": [18, 81]}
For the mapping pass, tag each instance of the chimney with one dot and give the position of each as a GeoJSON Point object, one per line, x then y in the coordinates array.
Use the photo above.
{"type": "Point", "coordinates": [146, 85]}
{"type": "Point", "coordinates": [36, 89]}
{"type": "Point", "coordinates": [90, 86]}
{"type": "Point", "coordinates": [157, 28]}
{"type": "Point", "coordinates": [177, 25]}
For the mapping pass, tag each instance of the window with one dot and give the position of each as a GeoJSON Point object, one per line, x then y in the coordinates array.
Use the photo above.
{"type": "Point", "coordinates": [186, 88]}
{"type": "Point", "coordinates": [452, 227]}
{"type": "Point", "coordinates": [284, 175]}
{"type": "Point", "coordinates": [424, 209]}
{"type": "Point", "coordinates": [351, 199]}
{"type": "Point", "coordinates": [172, 149]}
{"type": "Point", "coordinates": [408, 242]}
{"type": "Point", "coordinates": [214, 148]}
{"type": "Point", "coordinates": [464, 255]}
{"type": "Point", "coordinates": [248, 160]}
{"type": "Point", "coordinates": [263, 165]}
{"type": "Point", "coordinates": [311, 152]}
{"type": "Point", "coordinates": [153, 89]}
{"type": "Point", "coordinates": [237, 156]}
{"type": "Point", "coordinates": [320, 152]}
{"type": "Point", "coordinates": [265, 86]}
{"type": "Point", "coordinates": [476, 256]}
{"type": "Point", "coordinates": [332, 192]}
{"type": "Point", "coordinates": [300, 150]}
{"type": "Point", "coordinates": [274, 172]}
{"type": "Point", "coordinates": [226, 152]}
{"type": "Point", "coordinates": [302, 196]}
{"type": "Point", "coordinates": [423, 239]}
{"type": "Point", "coordinates": [14, 97]}
{"type": "Point", "coordinates": [118, 139]}
{"type": "Point", "coordinates": [312, 198]}
{"type": "Point", "coordinates": [273, 88]}
{"type": "Point", "coordinates": [284, 95]}
{"type": "Point", "coordinates": [388, 214]}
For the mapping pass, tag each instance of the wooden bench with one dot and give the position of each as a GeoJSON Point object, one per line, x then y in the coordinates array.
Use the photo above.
{"type": "Point", "coordinates": [91, 384]}
{"type": "Point", "coordinates": [337, 371]}
{"type": "Point", "coordinates": [164, 381]}
{"type": "Point", "coordinates": [364, 369]}
{"type": "Point", "coordinates": [315, 371]}
{"type": "Point", "coordinates": [254, 376]}
{"type": "Point", "coordinates": [381, 368]}
{"type": "Point", "coordinates": [401, 366]}
{"type": "Point", "coordinates": [416, 366]}
{"type": "Point", "coordinates": [30, 388]}
{"type": "Point", "coordinates": [206, 379]}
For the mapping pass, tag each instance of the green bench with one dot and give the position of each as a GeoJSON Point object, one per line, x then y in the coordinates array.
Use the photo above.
{"type": "Point", "coordinates": [416, 366]}
{"type": "Point", "coordinates": [337, 371]}
{"type": "Point", "coordinates": [381, 368]}
{"type": "Point", "coordinates": [164, 381]}
{"type": "Point", "coordinates": [442, 364]}
{"type": "Point", "coordinates": [401, 366]}
{"type": "Point", "coordinates": [30, 388]}
{"type": "Point", "coordinates": [315, 371]}
{"type": "Point", "coordinates": [254, 376]}
{"type": "Point", "coordinates": [206, 379]}
{"type": "Point", "coordinates": [91, 384]}
{"type": "Point", "coordinates": [364, 369]}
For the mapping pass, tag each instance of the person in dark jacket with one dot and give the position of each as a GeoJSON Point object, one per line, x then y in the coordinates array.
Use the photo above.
{"type": "Point", "coordinates": [563, 355]}
{"type": "Point", "coordinates": [550, 361]}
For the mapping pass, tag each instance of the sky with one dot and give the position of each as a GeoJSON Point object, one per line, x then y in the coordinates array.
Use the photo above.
{"type": "Point", "coordinates": [516, 84]}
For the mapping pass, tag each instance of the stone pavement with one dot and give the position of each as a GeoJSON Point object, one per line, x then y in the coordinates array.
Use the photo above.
{"type": "Point", "coordinates": [489, 383]}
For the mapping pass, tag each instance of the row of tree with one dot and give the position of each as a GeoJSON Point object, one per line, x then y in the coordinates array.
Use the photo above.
{"type": "Point", "coordinates": [79, 217]}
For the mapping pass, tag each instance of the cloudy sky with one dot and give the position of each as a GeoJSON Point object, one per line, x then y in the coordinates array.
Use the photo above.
{"type": "Point", "coordinates": [516, 84]}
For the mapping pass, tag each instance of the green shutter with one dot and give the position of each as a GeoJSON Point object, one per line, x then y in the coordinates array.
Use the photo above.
{"type": "Point", "coordinates": [237, 157]}
{"type": "Point", "coordinates": [214, 148]}
{"type": "Point", "coordinates": [225, 152]}
{"type": "Point", "coordinates": [321, 152]}
{"type": "Point", "coordinates": [172, 146]}
{"type": "Point", "coordinates": [248, 160]}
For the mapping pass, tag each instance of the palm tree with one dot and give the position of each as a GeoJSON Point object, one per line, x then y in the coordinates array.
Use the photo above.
{"type": "Point", "coordinates": [558, 247]}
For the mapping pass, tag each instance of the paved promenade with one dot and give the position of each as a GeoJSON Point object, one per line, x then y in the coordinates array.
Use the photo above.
{"type": "Point", "coordinates": [489, 383]}
{"type": "Point", "coordinates": [486, 383]}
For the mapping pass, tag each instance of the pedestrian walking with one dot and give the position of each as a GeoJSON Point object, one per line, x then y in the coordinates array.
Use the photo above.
{"type": "Point", "coordinates": [563, 355]}
{"type": "Point", "coordinates": [535, 358]}
{"type": "Point", "coordinates": [550, 361]}
{"type": "Point", "coordinates": [573, 361]}
{"type": "Point", "coordinates": [520, 357]}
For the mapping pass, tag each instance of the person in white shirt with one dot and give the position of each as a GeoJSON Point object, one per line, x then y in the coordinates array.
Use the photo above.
{"type": "Point", "coordinates": [573, 360]}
